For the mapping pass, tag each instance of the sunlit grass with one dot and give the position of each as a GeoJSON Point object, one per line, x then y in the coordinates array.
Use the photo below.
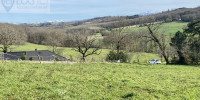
{"type": "Point", "coordinates": [20, 80]}
{"type": "Point", "coordinates": [166, 28]}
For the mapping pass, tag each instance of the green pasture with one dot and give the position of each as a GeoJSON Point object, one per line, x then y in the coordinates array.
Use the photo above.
{"type": "Point", "coordinates": [111, 81]}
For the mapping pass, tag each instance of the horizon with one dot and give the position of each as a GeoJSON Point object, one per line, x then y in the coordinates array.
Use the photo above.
{"type": "Point", "coordinates": [76, 10]}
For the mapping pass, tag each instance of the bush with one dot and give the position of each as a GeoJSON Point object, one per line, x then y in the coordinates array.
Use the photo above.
{"type": "Point", "coordinates": [194, 58]}
{"type": "Point", "coordinates": [23, 57]}
{"type": "Point", "coordinates": [31, 58]}
{"type": "Point", "coordinates": [112, 56]}
{"type": "Point", "coordinates": [71, 58]}
{"type": "Point", "coordinates": [57, 59]}
{"type": "Point", "coordinates": [41, 59]}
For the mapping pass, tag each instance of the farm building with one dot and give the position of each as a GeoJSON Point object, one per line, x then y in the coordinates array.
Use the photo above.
{"type": "Point", "coordinates": [44, 55]}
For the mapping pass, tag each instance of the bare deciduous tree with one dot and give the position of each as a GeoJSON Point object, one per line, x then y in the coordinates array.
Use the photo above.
{"type": "Point", "coordinates": [54, 38]}
{"type": "Point", "coordinates": [11, 35]}
{"type": "Point", "coordinates": [85, 44]}
{"type": "Point", "coordinates": [118, 37]}
{"type": "Point", "coordinates": [37, 35]}
{"type": "Point", "coordinates": [152, 31]}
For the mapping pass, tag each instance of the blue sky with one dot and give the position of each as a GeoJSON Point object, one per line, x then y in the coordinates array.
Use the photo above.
{"type": "Point", "coordinates": [72, 10]}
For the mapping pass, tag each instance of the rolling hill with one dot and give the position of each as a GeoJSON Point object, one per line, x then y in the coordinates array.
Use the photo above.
{"type": "Point", "coordinates": [180, 14]}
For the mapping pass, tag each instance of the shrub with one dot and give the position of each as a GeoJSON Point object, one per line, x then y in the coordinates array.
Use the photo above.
{"type": "Point", "coordinates": [174, 60]}
{"type": "Point", "coordinates": [194, 58]}
{"type": "Point", "coordinates": [112, 56]}
{"type": "Point", "coordinates": [41, 58]}
{"type": "Point", "coordinates": [71, 58]}
{"type": "Point", "coordinates": [57, 59]}
{"type": "Point", "coordinates": [23, 57]}
{"type": "Point", "coordinates": [31, 58]}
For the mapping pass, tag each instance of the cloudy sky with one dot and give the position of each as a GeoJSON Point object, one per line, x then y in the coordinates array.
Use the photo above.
{"type": "Point", "coordinates": [72, 10]}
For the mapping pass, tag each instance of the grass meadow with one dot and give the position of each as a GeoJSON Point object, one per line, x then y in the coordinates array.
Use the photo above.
{"type": "Point", "coordinates": [166, 28]}
{"type": "Point", "coordinates": [26, 81]}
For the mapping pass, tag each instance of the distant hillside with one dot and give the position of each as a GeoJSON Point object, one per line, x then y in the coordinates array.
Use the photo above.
{"type": "Point", "coordinates": [180, 14]}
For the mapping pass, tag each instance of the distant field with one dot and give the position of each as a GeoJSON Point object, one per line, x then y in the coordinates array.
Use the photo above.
{"type": "Point", "coordinates": [28, 81]}
{"type": "Point", "coordinates": [166, 28]}
{"type": "Point", "coordinates": [68, 52]}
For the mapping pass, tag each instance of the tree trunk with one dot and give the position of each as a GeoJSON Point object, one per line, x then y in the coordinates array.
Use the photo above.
{"type": "Point", "coordinates": [118, 50]}
{"type": "Point", "coordinates": [166, 58]}
{"type": "Point", "coordinates": [181, 58]}
{"type": "Point", "coordinates": [5, 49]}
{"type": "Point", "coordinates": [162, 48]}
{"type": "Point", "coordinates": [53, 50]}
{"type": "Point", "coordinates": [83, 58]}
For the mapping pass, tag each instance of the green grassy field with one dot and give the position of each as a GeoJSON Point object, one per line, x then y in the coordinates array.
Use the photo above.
{"type": "Point", "coordinates": [26, 81]}
{"type": "Point", "coordinates": [166, 28]}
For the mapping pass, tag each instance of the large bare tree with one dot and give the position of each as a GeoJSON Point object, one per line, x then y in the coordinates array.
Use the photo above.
{"type": "Point", "coordinates": [11, 35]}
{"type": "Point", "coordinates": [54, 39]}
{"type": "Point", "coordinates": [85, 43]}
{"type": "Point", "coordinates": [153, 29]}
{"type": "Point", "coordinates": [37, 35]}
{"type": "Point", "coordinates": [118, 36]}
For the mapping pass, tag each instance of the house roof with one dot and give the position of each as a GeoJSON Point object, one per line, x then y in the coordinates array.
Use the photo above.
{"type": "Point", "coordinates": [37, 53]}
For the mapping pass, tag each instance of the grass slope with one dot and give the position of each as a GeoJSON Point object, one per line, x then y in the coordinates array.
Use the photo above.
{"type": "Point", "coordinates": [166, 28]}
{"type": "Point", "coordinates": [98, 81]}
